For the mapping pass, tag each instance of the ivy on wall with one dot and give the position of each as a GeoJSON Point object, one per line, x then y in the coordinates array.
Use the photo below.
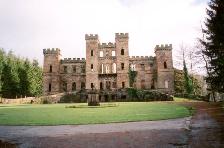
{"type": "Point", "coordinates": [132, 77]}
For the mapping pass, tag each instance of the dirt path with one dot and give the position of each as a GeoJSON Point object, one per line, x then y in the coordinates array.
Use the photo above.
{"type": "Point", "coordinates": [206, 129]}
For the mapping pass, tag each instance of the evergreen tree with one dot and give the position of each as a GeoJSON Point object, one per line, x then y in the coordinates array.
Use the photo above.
{"type": "Point", "coordinates": [187, 80]}
{"type": "Point", "coordinates": [214, 44]}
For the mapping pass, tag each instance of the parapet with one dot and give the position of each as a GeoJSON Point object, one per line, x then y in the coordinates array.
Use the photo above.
{"type": "Point", "coordinates": [51, 51]}
{"type": "Point", "coordinates": [163, 47]}
{"type": "Point", "coordinates": [141, 58]}
{"type": "Point", "coordinates": [91, 36]}
{"type": "Point", "coordinates": [107, 45]}
{"type": "Point", "coordinates": [73, 60]}
{"type": "Point", "coordinates": [121, 35]}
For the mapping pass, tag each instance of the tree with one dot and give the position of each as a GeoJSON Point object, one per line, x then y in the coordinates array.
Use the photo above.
{"type": "Point", "coordinates": [213, 42]}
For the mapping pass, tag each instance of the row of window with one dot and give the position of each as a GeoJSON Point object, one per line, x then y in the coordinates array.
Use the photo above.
{"type": "Point", "coordinates": [108, 85]}
{"type": "Point", "coordinates": [107, 68]}
{"type": "Point", "coordinates": [107, 53]}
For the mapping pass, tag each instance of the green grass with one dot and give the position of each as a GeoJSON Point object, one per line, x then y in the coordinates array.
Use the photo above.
{"type": "Point", "coordinates": [59, 114]}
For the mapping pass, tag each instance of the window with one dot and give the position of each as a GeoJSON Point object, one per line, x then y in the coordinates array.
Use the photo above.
{"type": "Point", "coordinates": [101, 85]}
{"type": "Point", "coordinates": [122, 51]}
{"type": "Point", "coordinates": [133, 67]}
{"type": "Point", "coordinates": [74, 69]}
{"type": "Point", "coordinates": [92, 86]}
{"type": "Point", "coordinates": [114, 85]}
{"type": "Point", "coordinates": [122, 66]}
{"type": "Point", "coordinates": [123, 84]}
{"type": "Point", "coordinates": [65, 69]}
{"type": "Point", "coordinates": [113, 54]}
{"type": "Point", "coordinates": [83, 69]}
{"type": "Point", "coordinates": [101, 54]}
{"type": "Point", "coordinates": [50, 69]}
{"type": "Point", "coordinates": [64, 86]}
{"type": "Point", "coordinates": [102, 68]}
{"type": "Point", "coordinates": [114, 68]}
{"type": "Point", "coordinates": [91, 52]}
{"type": "Point", "coordinates": [49, 87]}
{"type": "Point", "coordinates": [107, 69]}
{"type": "Point", "coordinates": [166, 84]}
{"type": "Point", "coordinates": [142, 84]}
{"type": "Point", "coordinates": [108, 84]}
{"type": "Point", "coordinates": [165, 65]}
{"type": "Point", "coordinates": [83, 85]}
{"type": "Point", "coordinates": [91, 67]}
{"type": "Point", "coordinates": [142, 67]}
{"type": "Point", "coordinates": [73, 86]}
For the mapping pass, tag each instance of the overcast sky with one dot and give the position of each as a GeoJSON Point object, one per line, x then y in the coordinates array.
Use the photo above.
{"type": "Point", "coordinates": [28, 26]}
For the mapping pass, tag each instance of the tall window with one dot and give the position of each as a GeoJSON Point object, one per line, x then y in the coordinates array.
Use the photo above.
{"type": "Point", "coordinates": [102, 68]}
{"type": "Point", "coordinates": [65, 69]}
{"type": "Point", "coordinates": [122, 51]}
{"type": "Point", "coordinates": [165, 65]}
{"type": "Point", "coordinates": [108, 84]}
{"type": "Point", "coordinates": [73, 86]}
{"type": "Point", "coordinates": [91, 52]}
{"type": "Point", "coordinates": [123, 84]}
{"type": "Point", "coordinates": [49, 87]}
{"type": "Point", "coordinates": [133, 67]}
{"type": "Point", "coordinates": [114, 85]}
{"type": "Point", "coordinates": [74, 69]}
{"type": "Point", "coordinates": [101, 85]}
{"type": "Point", "coordinates": [91, 67]}
{"type": "Point", "coordinates": [113, 54]}
{"type": "Point", "coordinates": [114, 68]}
{"type": "Point", "coordinates": [83, 85]}
{"type": "Point", "coordinates": [92, 86]}
{"type": "Point", "coordinates": [101, 54]}
{"type": "Point", "coordinates": [107, 69]}
{"type": "Point", "coordinates": [122, 66]}
{"type": "Point", "coordinates": [166, 84]}
{"type": "Point", "coordinates": [50, 69]}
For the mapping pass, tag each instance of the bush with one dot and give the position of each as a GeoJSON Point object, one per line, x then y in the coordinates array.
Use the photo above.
{"type": "Point", "coordinates": [72, 98]}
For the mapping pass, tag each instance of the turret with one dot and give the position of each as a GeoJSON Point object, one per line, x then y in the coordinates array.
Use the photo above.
{"type": "Point", "coordinates": [165, 70]}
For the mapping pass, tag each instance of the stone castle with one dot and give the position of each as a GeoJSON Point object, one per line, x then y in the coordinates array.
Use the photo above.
{"type": "Point", "coordinates": [106, 68]}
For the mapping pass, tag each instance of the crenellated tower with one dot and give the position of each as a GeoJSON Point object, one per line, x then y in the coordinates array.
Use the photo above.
{"type": "Point", "coordinates": [122, 57]}
{"type": "Point", "coordinates": [92, 42]}
{"type": "Point", "coordinates": [165, 70]}
{"type": "Point", "coordinates": [51, 71]}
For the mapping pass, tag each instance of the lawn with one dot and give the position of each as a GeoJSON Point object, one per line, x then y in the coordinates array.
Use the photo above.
{"type": "Point", "coordinates": [59, 114]}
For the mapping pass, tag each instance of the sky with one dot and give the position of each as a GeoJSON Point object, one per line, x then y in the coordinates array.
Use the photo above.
{"type": "Point", "coordinates": [29, 26]}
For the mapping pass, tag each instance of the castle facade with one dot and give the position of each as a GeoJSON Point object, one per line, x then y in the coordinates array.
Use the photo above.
{"type": "Point", "coordinates": [107, 67]}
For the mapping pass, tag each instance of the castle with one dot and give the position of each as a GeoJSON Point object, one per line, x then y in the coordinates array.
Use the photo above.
{"type": "Point", "coordinates": [107, 67]}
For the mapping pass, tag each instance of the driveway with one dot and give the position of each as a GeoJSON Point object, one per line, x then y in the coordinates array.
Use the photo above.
{"type": "Point", "coordinates": [204, 129]}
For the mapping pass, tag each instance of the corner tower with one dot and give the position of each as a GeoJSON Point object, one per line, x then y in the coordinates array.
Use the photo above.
{"type": "Point", "coordinates": [92, 42]}
{"type": "Point", "coordinates": [51, 71]}
{"type": "Point", "coordinates": [122, 57]}
{"type": "Point", "coordinates": [165, 70]}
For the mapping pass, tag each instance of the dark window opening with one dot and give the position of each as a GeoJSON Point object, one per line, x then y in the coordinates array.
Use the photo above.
{"type": "Point", "coordinates": [114, 85]}
{"type": "Point", "coordinates": [113, 97]}
{"type": "Point", "coordinates": [64, 87]}
{"type": "Point", "coordinates": [82, 86]}
{"type": "Point", "coordinates": [108, 84]}
{"type": "Point", "coordinates": [122, 66]}
{"type": "Point", "coordinates": [142, 66]}
{"type": "Point", "coordinates": [92, 66]}
{"type": "Point", "coordinates": [74, 86]}
{"type": "Point", "coordinates": [122, 51]}
{"type": "Point", "coordinates": [106, 97]}
{"type": "Point", "coordinates": [49, 87]}
{"type": "Point", "coordinates": [91, 52]}
{"type": "Point", "coordinates": [123, 84]}
{"type": "Point", "coordinates": [50, 68]}
{"type": "Point", "coordinates": [165, 65]}
{"type": "Point", "coordinates": [101, 85]}
{"type": "Point", "coordinates": [74, 69]}
{"type": "Point", "coordinates": [65, 69]}
{"type": "Point", "coordinates": [92, 86]}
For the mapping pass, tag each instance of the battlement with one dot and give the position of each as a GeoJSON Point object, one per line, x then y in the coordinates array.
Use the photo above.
{"type": "Point", "coordinates": [73, 60]}
{"type": "Point", "coordinates": [141, 58]}
{"type": "Point", "coordinates": [121, 35]}
{"type": "Point", "coordinates": [91, 36]}
{"type": "Point", "coordinates": [51, 51]}
{"type": "Point", "coordinates": [163, 47]}
{"type": "Point", "coordinates": [107, 45]}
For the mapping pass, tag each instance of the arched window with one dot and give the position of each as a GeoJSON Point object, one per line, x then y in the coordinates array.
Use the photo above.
{"type": "Point", "coordinates": [114, 68]}
{"type": "Point", "coordinates": [73, 86]}
{"type": "Point", "coordinates": [166, 84]}
{"type": "Point", "coordinates": [122, 51]}
{"type": "Point", "coordinates": [101, 54]}
{"type": "Point", "coordinates": [50, 68]}
{"type": "Point", "coordinates": [165, 65]}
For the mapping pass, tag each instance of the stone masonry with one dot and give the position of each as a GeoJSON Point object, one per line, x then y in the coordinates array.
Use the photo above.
{"type": "Point", "coordinates": [106, 68]}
